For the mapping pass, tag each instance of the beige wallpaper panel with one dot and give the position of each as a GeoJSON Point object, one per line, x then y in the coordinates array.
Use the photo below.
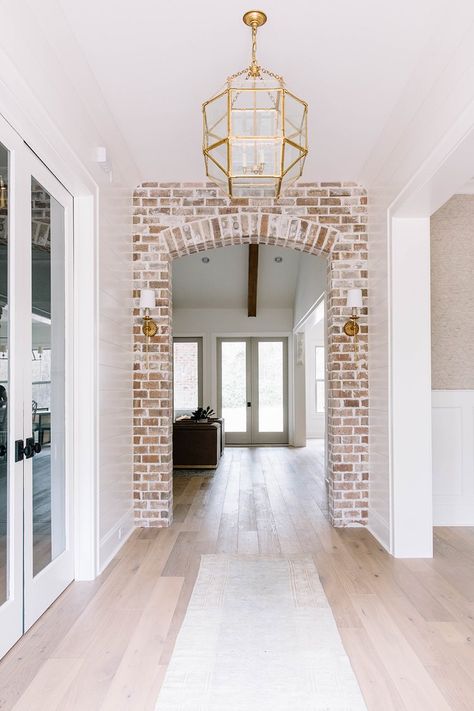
{"type": "Point", "coordinates": [452, 294]}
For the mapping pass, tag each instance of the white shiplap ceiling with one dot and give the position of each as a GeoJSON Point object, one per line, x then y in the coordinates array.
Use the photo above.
{"type": "Point", "coordinates": [223, 281]}
{"type": "Point", "coordinates": [155, 62]}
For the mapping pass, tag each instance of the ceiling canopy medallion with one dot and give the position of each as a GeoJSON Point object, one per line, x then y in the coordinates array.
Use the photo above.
{"type": "Point", "coordinates": [255, 130]}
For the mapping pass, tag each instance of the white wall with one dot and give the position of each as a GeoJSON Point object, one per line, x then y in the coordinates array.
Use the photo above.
{"type": "Point", "coordinates": [64, 120]}
{"type": "Point", "coordinates": [411, 381]}
{"type": "Point", "coordinates": [211, 323]}
{"type": "Point", "coordinates": [314, 336]}
{"type": "Point", "coordinates": [432, 109]}
{"type": "Point", "coordinates": [115, 356]}
{"type": "Point", "coordinates": [311, 284]}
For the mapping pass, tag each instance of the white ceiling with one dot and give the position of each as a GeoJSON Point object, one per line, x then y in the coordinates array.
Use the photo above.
{"type": "Point", "coordinates": [223, 281]}
{"type": "Point", "coordinates": [156, 61]}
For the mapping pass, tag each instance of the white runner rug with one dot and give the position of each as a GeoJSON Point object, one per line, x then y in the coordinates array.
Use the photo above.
{"type": "Point", "coordinates": [259, 635]}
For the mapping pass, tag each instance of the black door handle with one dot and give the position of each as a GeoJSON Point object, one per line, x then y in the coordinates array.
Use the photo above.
{"type": "Point", "coordinates": [249, 404]}
{"type": "Point", "coordinates": [26, 451]}
{"type": "Point", "coordinates": [19, 450]}
{"type": "Point", "coordinates": [31, 448]}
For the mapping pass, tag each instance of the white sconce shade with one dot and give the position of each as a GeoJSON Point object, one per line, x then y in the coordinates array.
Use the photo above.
{"type": "Point", "coordinates": [147, 299]}
{"type": "Point", "coordinates": [354, 298]}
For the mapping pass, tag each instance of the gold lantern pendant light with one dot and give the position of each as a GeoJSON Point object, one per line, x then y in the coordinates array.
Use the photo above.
{"type": "Point", "coordinates": [255, 130]}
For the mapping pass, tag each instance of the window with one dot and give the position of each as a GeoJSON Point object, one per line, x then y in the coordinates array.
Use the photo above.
{"type": "Point", "coordinates": [41, 373]}
{"type": "Point", "coordinates": [187, 379]}
{"type": "Point", "coordinates": [320, 391]}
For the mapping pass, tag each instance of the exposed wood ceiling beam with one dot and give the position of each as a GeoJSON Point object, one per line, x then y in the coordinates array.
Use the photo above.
{"type": "Point", "coordinates": [253, 279]}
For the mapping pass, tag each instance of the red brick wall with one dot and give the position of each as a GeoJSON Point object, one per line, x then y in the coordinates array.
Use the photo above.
{"type": "Point", "coordinates": [175, 219]}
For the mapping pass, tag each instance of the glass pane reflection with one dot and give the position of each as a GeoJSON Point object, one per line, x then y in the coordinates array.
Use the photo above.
{"type": "Point", "coordinates": [48, 376]}
{"type": "Point", "coordinates": [234, 385]}
{"type": "Point", "coordinates": [271, 406]}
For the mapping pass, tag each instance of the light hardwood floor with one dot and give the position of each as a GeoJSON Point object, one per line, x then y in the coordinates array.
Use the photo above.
{"type": "Point", "coordinates": [407, 625]}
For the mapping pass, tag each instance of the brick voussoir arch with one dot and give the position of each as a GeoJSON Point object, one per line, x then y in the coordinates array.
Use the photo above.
{"type": "Point", "coordinates": [244, 228]}
{"type": "Point", "coordinates": [157, 244]}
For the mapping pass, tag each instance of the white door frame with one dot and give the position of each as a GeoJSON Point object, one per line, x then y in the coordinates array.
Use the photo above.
{"type": "Point", "coordinates": [252, 436]}
{"type": "Point", "coordinates": [43, 588]}
{"type": "Point", "coordinates": [11, 612]}
{"type": "Point", "coordinates": [29, 596]}
{"type": "Point", "coordinates": [23, 111]}
{"type": "Point", "coordinates": [449, 166]}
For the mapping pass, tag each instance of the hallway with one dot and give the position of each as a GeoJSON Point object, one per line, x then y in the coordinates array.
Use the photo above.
{"type": "Point", "coordinates": [407, 625]}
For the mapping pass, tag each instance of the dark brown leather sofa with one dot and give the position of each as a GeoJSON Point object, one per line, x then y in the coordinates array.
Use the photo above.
{"type": "Point", "coordinates": [197, 445]}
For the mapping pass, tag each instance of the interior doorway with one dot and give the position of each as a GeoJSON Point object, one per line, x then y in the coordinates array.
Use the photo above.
{"type": "Point", "coordinates": [236, 345]}
{"type": "Point", "coordinates": [252, 389]}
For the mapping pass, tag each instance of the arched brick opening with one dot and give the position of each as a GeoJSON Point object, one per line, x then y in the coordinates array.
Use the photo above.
{"type": "Point", "coordinates": [155, 248]}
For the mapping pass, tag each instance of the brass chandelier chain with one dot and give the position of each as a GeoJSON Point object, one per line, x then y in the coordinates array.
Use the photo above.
{"type": "Point", "coordinates": [254, 68]}
{"type": "Point", "coordinates": [254, 20]}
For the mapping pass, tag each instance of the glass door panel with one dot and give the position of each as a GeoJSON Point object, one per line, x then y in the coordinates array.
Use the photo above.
{"type": "Point", "coordinates": [271, 403]}
{"type": "Point", "coordinates": [48, 556]}
{"type": "Point", "coordinates": [234, 388]}
{"type": "Point", "coordinates": [270, 385]}
{"type": "Point", "coordinates": [48, 375]}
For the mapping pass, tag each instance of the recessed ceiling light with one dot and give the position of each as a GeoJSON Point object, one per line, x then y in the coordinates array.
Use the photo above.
{"type": "Point", "coordinates": [205, 260]}
{"type": "Point", "coordinates": [278, 260]}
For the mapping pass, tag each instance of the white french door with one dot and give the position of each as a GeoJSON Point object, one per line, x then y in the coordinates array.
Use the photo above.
{"type": "Point", "coordinates": [36, 546]}
{"type": "Point", "coordinates": [252, 389]}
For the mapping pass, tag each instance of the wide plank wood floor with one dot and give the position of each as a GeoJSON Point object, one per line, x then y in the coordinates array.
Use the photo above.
{"type": "Point", "coordinates": [407, 625]}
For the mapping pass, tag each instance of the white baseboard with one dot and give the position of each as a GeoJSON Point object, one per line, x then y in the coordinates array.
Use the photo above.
{"type": "Point", "coordinates": [379, 528]}
{"type": "Point", "coordinates": [451, 511]}
{"type": "Point", "coordinates": [111, 543]}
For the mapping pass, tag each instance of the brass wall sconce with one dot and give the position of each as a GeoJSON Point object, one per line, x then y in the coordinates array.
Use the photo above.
{"type": "Point", "coordinates": [147, 302]}
{"type": "Point", "coordinates": [354, 302]}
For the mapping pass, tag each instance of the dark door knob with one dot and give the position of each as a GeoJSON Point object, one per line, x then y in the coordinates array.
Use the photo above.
{"type": "Point", "coordinates": [31, 448]}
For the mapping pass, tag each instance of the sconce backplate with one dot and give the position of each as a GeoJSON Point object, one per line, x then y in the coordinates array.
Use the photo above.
{"type": "Point", "coordinates": [149, 327]}
{"type": "Point", "coordinates": [351, 328]}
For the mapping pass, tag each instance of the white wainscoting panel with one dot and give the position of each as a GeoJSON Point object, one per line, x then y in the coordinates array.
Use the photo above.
{"type": "Point", "coordinates": [453, 457]}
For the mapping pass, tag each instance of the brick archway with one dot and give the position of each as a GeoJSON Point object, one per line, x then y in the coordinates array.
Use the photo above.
{"type": "Point", "coordinates": [155, 247]}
